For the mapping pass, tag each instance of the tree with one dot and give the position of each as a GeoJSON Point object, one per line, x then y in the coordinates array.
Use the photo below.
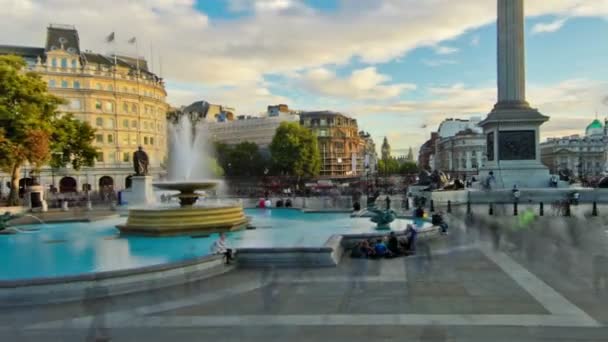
{"type": "Point", "coordinates": [295, 151]}
{"type": "Point", "coordinates": [243, 159]}
{"type": "Point", "coordinates": [31, 126]}
{"type": "Point", "coordinates": [408, 168]}
{"type": "Point", "coordinates": [71, 143]}
{"type": "Point", "coordinates": [388, 166]}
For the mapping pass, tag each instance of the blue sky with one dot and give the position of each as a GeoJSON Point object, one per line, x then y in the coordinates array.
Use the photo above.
{"type": "Point", "coordinates": [399, 66]}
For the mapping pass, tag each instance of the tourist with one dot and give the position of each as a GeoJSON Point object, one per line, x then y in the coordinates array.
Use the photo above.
{"type": "Point", "coordinates": [267, 203]}
{"type": "Point", "coordinates": [288, 203]}
{"type": "Point", "coordinates": [437, 220]}
{"type": "Point", "coordinates": [419, 215]}
{"type": "Point", "coordinates": [366, 249]}
{"type": "Point", "coordinates": [380, 249]}
{"type": "Point", "coordinates": [280, 203]}
{"type": "Point", "coordinates": [262, 203]}
{"type": "Point", "coordinates": [409, 242]}
{"type": "Point", "coordinates": [220, 246]}
{"type": "Point", "coordinates": [356, 206]}
{"type": "Point", "coordinates": [393, 244]}
{"type": "Point", "coordinates": [490, 180]}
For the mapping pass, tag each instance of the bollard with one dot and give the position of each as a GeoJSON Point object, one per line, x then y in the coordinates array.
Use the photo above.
{"type": "Point", "coordinates": [469, 208]}
{"type": "Point", "coordinates": [432, 206]}
{"type": "Point", "coordinates": [449, 207]}
{"type": "Point", "coordinates": [542, 209]}
{"type": "Point", "coordinates": [594, 211]}
{"type": "Point", "coordinates": [567, 212]}
{"type": "Point", "coordinates": [491, 210]}
{"type": "Point", "coordinates": [515, 213]}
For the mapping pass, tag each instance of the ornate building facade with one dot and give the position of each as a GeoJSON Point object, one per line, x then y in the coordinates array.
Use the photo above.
{"type": "Point", "coordinates": [119, 96]}
{"type": "Point", "coordinates": [585, 155]}
{"type": "Point", "coordinates": [342, 149]}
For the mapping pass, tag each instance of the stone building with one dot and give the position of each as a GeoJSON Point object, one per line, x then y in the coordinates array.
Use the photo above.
{"type": "Point", "coordinates": [369, 154]}
{"type": "Point", "coordinates": [118, 95]}
{"type": "Point", "coordinates": [460, 155]}
{"type": "Point", "coordinates": [584, 155]}
{"type": "Point", "coordinates": [342, 149]}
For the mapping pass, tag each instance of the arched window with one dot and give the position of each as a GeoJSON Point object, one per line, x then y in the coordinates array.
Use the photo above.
{"type": "Point", "coordinates": [54, 62]}
{"type": "Point", "coordinates": [74, 64]}
{"type": "Point", "coordinates": [64, 63]}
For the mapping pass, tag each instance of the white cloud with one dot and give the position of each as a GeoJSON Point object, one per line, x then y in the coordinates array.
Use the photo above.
{"type": "Point", "coordinates": [549, 27]}
{"type": "Point", "coordinates": [445, 50]}
{"type": "Point", "coordinates": [364, 83]}
{"type": "Point", "coordinates": [433, 63]}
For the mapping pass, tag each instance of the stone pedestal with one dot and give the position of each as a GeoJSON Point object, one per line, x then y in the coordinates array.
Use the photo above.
{"type": "Point", "coordinates": [142, 192]}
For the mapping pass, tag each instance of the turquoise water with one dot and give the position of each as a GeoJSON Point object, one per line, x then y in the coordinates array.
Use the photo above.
{"type": "Point", "coordinates": [65, 249]}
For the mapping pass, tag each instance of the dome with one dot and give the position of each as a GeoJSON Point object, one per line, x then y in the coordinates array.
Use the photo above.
{"type": "Point", "coordinates": [595, 124]}
{"type": "Point", "coordinates": [595, 128]}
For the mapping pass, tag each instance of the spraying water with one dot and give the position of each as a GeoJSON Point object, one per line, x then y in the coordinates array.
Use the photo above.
{"type": "Point", "coordinates": [189, 151]}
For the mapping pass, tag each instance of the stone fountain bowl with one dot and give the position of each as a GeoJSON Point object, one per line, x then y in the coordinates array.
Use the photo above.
{"type": "Point", "coordinates": [186, 186]}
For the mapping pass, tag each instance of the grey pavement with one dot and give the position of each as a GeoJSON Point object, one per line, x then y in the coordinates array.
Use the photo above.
{"type": "Point", "coordinates": [542, 283]}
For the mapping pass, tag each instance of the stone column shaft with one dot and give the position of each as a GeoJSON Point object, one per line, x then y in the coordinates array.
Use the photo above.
{"type": "Point", "coordinates": [511, 52]}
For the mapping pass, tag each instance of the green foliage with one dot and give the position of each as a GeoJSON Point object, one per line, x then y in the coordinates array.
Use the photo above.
{"type": "Point", "coordinates": [389, 166]}
{"type": "Point", "coordinates": [71, 143]}
{"type": "Point", "coordinates": [295, 151]}
{"type": "Point", "coordinates": [30, 124]}
{"type": "Point", "coordinates": [408, 168]}
{"type": "Point", "coordinates": [243, 159]}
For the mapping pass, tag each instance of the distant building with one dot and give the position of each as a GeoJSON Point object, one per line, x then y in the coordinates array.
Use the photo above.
{"type": "Point", "coordinates": [208, 112]}
{"type": "Point", "coordinates": [457, 148]}
{"type": "Point", "coordinates": [280, 109]}
{"type": "Point", "coordinates": [256, 129]}
{"type": "Point", "coordinates": [461, 155]}
{"type": "Point", "coordinates": [118, 95]}
{"type": "Point", "coordinates": [426, 153]}
{"type": "Point", "coordinates": [386, 149]}
{"type": "Point", "coordinates": [370, 157]}
{"type": "Point", "coordinates": [583, 155]}
{"type": "Point", "coordinates": [342, 149]}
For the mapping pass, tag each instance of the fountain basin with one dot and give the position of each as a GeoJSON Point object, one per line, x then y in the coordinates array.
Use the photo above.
{"type": "Point", "coordinates": [184, 220]}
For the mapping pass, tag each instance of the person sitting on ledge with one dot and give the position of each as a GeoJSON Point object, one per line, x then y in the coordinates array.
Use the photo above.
{"type": "Point", "coordinates": [288, 203]}
{"type": "Point", "coordinates": [437, 220]}
{"type": "Point", "coordinates": [267, 203]}
{"type": "Point", "coordinates": [280, 203]}
{"type": "Point", "coordinates": [262, 203]}
{"type": "Point", "coordinates": [220, 246]}
{"type": "Point", "coordinates": [381, 251]}
{"type": "Point", "coordinates": [393, 244]}
{"type": "Point", "coordinates": [409, 243]}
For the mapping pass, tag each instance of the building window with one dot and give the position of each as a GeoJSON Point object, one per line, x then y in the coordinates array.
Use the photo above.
{"type": "Point", "coordinates": [126, 157]}
{"type": "Point", "coordinates": [151, 140]}
{"type": "Point", "coordinates": [125, 107]}
{"type": "Point", "coordinates": [133, 139]}
{"type": "Point", "coordinates": [110, 88]}
{"type": "Point", "coordinates": [158, 127]}
{"type": "Point", "coordinates": [125, 123]}
{"type": "Point", "coordinates": [110, 107]}
{"type": "Point", "coordinates": [99, 157]}
{"type": "Point", "coordinates": [76, 84]}
{"type": "Point", "coordinates": [99, 122]}
{"type": "Point", "coordinates": [146, 124]}
{"type": "Point", "coordinates": [64, 84]}
{"type": "Point", "coordinates": [52, 83]}
{"type": "Point", "coordinates": [99, 138]}
{"type": "Point", "coordinates": [134, 124]}
{"type": "Point", "coordinates": [134, 108]}
{"type": "Point", "coordinates": [112, 157]}
{"type": "Point", "coordinates": [133, 90]}
{"type": "Point", "coordinates": [64, 63]}
{"type": "Point", "coordinates": [54, 62]}
{"type": "Point", "coordinates": [99, 87]}
{"type": "Point", "coordinates": [98, 105]}
{"type": "Point", "coordinates": [145, 140]}
{"type": "Point", "coordinates": [74, 64]}
{"type": "Point", "coordinates": [110, 138]}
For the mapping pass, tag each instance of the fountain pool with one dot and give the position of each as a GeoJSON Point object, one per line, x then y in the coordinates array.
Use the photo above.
{"type": "Point", "coordinates": [68, 249]}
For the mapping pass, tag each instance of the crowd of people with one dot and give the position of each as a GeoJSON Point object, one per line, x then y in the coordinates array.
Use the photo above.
{"type": "Point", "coordinates": [388, 247]}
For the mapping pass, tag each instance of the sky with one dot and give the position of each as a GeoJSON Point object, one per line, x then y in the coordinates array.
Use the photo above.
{"type": "Point", "coordinates": [399, 67]}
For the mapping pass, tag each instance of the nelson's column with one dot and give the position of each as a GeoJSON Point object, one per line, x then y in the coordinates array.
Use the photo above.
{"type": "Point", "coordinates": [512, 128]}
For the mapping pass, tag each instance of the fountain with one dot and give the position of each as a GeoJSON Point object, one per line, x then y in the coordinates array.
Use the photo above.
{"type": "Point", "coordinates": [188, 175]}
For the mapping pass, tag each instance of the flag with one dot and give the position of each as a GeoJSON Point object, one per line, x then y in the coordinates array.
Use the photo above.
{"type": "Point", "coordinates": [132, 40]}
{"type": "Point", "coordinates": [110, 38]}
